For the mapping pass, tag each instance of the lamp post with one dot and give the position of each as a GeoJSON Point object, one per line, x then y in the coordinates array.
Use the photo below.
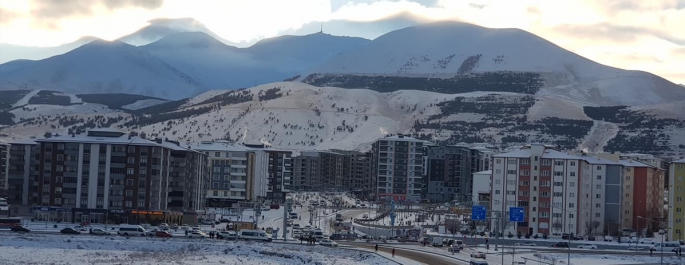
{"type": "Point", "coordinates": [662, 236]}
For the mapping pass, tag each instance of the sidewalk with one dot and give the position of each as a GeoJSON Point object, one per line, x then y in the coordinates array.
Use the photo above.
{"type": "Point", "coordinates": [388, 256]}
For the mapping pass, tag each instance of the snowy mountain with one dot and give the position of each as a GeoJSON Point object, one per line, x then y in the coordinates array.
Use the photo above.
{"type": "Point", "coordinates": [449, 49]}
{"type": "Point", "coordinates": [162, 27]}
{"type": "Point", "coordinates": [17, 52]}
{"type": "Point", "coordinates": [101, 67]}
{"type": "Point", "coordinates": [299, 116]}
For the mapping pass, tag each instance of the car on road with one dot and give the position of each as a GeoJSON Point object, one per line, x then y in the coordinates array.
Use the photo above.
{"type": "Point", "coordinates": [228, 235]}
{"type": "Point", "coordinates": [197, 234]}
{"type": "Point", "coordinates": [646, 241]}
{"type": "Point", "coordinates": [328, 243]}
{"type": "Point", "coordinates": [296, 226]}
{"type": "Point", "coordinates": [636, 248]}
{"type": "Point", "coordinates": [478, 254]}
{"type": "Point", "coordinates": [362, 205]}
{"type": "Point", "coordinates": [19, 228]}
{"type": "Point", "coordinates": [525, 244]}
{"type": "Point", "coordinates": [588, 246]}
{"type": "Point", "coordinates": [98, 232]}
{"type": "Point", "coordinates": [69, 230]}
{"type": "Point", "coordinates": [163, 234]}
{"type": "Point", "coordinates": [560, 245]}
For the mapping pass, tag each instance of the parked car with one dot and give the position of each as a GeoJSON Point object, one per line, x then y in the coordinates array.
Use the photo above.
{"type": "Point", "coordinates": [19, 228]}
{"type": "Point", "coordinates": [328, 243]}
{"type": "Point", "coordinates": [98, 231]}
{"type": "Point", "coordinates": [578, 238]}
{"type": "Point", "coordinates": [587, 246]}
{"type": "Point", "coordinates": [560, 245]}
{"type": "Point", "coordinates": [478, 254]}
{"type": "Point", "coordinates": [69, 230]}
{"type": "Point", "coordinates": [591, 238]}
{"type": "Point", "coordinates": [228, 235]}
{"type": "Point", "coordinates": [525, 244]}
{"type": "Point", "coordinates": [636, 248]}
{"type": "Point", "coordinates": [197, 234]}
{"type": "Point", "coordinates": [225, 220]}
{"type": "Point", "coordinates": [275, 206]}
{"type": "Point", "coordinates": [646, 241]}
{"type": "Point", "coordinates": [608, 239]}
{"type": "Point", "coordinates": [174, 226]}
{"type": "Point", "coordinates": [163, 234]}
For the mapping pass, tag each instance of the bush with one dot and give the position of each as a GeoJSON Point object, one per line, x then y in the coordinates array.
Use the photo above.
{"type": "Point", "coordinates": [535, 236]}
{"type": "Point", "coordinates": [510, 235]}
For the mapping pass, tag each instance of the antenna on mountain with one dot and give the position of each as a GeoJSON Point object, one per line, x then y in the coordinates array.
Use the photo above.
{"type": "Point", "coordinates": [321, 28]}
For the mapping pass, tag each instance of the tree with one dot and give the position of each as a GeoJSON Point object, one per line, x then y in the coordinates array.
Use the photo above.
{"type": "Point", "coordinates": [453, 225]}
{"type": "Point", "coordinates": [595, 224]}
{"type": "Point", "coordinates": [588, 228]}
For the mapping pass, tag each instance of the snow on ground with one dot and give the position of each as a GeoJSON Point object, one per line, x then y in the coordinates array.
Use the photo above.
{"type": "Point", "coordinates": [554, 107]}
{"type": "Point", "coordinates": [33, 111]}
{"type": "Point", "coordinates": [75, 250]}
{"type": "Point", "coordinates": [25, 100]}
{"type": "Point", "coordinates": [205, 96]}
{"type": "Point", "coordinates": [599, 259]}
{"type": "Point", "coordinates": [74, 99]}
{"type": "Point", "coordinates": [600, 134]}
{"type": "Point", "coordinates": [143, 104]}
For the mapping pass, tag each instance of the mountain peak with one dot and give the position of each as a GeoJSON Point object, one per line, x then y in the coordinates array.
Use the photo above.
{"type": "Point", "coordinates": [188, 40]}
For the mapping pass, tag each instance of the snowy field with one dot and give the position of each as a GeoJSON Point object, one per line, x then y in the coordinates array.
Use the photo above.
{"type": "Point", "coordinates": [75, 250]}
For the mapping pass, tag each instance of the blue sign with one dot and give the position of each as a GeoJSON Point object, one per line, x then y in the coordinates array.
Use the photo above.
{"type": "Point", "coordinates": [516, 214]}
{"type": "Point", "coordinates": [478, 213]}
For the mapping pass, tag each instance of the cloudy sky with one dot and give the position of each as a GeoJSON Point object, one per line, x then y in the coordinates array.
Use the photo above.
{"type": "Point", "coordinates": [630, 34]}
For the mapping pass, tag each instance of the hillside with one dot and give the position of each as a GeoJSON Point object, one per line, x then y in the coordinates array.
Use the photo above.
{"type": "Point", "coordinates": [17, 52]}
{"type": "Point", "coordinates": [464, 56]}
{"type": "Point", "coordinates": [299, 116]}
{"type": "Point", "coordinates": [163, 27]}
{"type": "Point", "coordinates": [103, 67]}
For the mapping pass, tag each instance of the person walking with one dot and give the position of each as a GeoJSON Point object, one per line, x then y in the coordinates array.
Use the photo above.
{"type": "Point", "coordinates": [393, 252]}
{"type": "Point", "coordinates": [376, 248]}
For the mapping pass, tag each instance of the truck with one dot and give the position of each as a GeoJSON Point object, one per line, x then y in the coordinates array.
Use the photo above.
{"type": "Point", "coordinates": [338, 217]}
{"type": "Point", "coordinates": [437, 241]}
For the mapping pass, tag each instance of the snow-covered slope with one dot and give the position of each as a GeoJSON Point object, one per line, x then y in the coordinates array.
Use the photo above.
{"type": "Point", "coordinates": [16, 52]}
{"type": "Point", "coordinates": [162, 27]}
{"type": "Point", "coordinates": [444, 48]}
{"type": "Point", "coordinates": [104, 67]}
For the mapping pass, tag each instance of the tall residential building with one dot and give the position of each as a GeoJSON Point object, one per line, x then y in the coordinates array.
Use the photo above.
{"type": "Point", "coordinates": [360, 173]}
{"type": "Point", "coordinates": [601, 197]}
{"type": "Point", "coordinates": [644, 189]}
{"type": "Point", "coordinates": [232, 171]}
{"type": "Point", "coordinates": [306, 171]}
{"type": "Point", "coordinates": [331, 171]}
{"type": "Point", "coordinates": [23, 170]}
{"type": "Point", "coordinates": [398, 168]}
{"type": "Point", "coordinates": [449, 173]}
{"type": "Point", "coordinates": [4, 169]}
{"type": "Point", "coordinates": [524, 178]}
{"type": "Point", "coordinates": [482, 188]}
{"type": "Point", "coordinates": [189, 178]}
{"type": "Point", "coordinates": [275, 167]}
{"type": "Point", "coordinates": [676, 193]}
{"type": "Point", "coordinates": [649, 160]}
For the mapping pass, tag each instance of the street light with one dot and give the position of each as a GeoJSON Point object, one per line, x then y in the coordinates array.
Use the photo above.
{"type": "Point", "coordinates": [662, 236]}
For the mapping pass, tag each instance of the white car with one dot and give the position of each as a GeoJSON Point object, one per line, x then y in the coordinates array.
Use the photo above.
{"type": "Point", "coordinates": [99, 232]}
{"type": "Point", "coordinates": [478, 254]}
{"type": "Point", "coordinates": [525, 244]}
{"type": "Point", "coordinates": [328, 242]}
{"type": "Point", "coordinates": [197, 234]}
{"type": "Point", "coordinates": [646, 241]}
{"type": "Point", "coordinates": [296, 226]}
{"type": "Point", "coordinates": [587, 246]}
{"type": "Point", "coordinates": [636, 248]}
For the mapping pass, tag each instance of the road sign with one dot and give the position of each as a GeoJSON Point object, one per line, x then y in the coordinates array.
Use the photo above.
{"type": "Point", "coordinates": [478, 213]}
{"type": "Point", "coordinates": [516, 214]}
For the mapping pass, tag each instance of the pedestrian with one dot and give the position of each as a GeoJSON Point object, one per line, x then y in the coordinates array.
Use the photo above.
{"type": "Point", "coordinates": [650, 251]}
{"type": "Point", "coordinates": [376, 248]}
{"type": "Point", "coordinates": [393, 252]}
{"type": "Point", "coordinates": [300, 240]}
{"type": "Point", "coordinates": [186, 232]}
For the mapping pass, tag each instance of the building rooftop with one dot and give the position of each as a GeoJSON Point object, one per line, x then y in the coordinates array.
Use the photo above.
{"type": "Point", "coordinates": [223, 146]}
{"type": "Point", "coordinates": [401, 137]}
{"type": "Point", "coordinates": [486, 172]}
{"type": "Point", "coordinates": [680, 161]}
{"type": "Point", "coordinates": [595, 160]}
{"type": "Point", "coordinates": [634, 163]}
{"type": "Point", "coordinates": [91, 138]}
{"type": "Point", "coordinates": [548, 153]}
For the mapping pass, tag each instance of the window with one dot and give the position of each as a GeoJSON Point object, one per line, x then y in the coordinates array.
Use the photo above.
{"type": "Point", "coordinates": [60, 157]}
{"type": "Point", "coordinates": [129, 204]}
{"type": "Point", "coordinates": [598, 196]}
{"type": "Point", "coordinates": [546, 162]}
{"type": "Point", "coordinates": [556, 215]}
{"type": "Point", "coordinates": [498, 181]}
{"type": "Point", "coordinates": [523, 204]}
{"type": "Point", "coordinates": [525, 161]}
{"type": "Point", "coordinates": [599, 167]}
{"type": "Point", "coordinates": [544, 214]}
{"type": "Point", "coordinates": [544, 194]}
{"type": "Point", "coordinates": [129, 182]}
{"type": "Point", "coordinates": [141, 204]}
{"type": "Point", "coordinates": [511, 172]}
{"type": "Point", "coordinates": [573, 163]}
{"type": "Point", "coordinates": [131, 160]}
{"type": "Point", "coordinates": [496, 191]}
{"type": "Point", "coordinates": [58, 200]}
{"type": "Point", "coordinates": [598, 205]}
{"type": "Point", "coordinates": [558, 173]}
{"type": "Point", "coordinates": [570, 215]}
{"type": "Point", "coordinates": [571, 205]}
{"type": "Point", "coordinates": [525, 173]}
{"type": "Point", "coordinates": [523, 193]}
{"type": "Point", "coordinates": [599, 187]}
{"type": "Point", "coordinates": [498, 171]}
{"type": "Point", "coordinates": [511, 192]}
{"type": "Point", "coordinates": [217, 154]}
{"type": "Point", "coordinates": [545, 183]}
{"type": "Point", "coordinates": [524, 183]}
{"type": "Point", "coordinates": [571, 184]}
{"type": "Point", "coordinates": [129, 193]}
{"type": "Point", "coordinates": [572, 173]}
{"type": "Point", "coordinates": [558, 184]}
{"type": "Point", "coordinates": [572, 194]}
{"type": "Point", "coordinates": [131, 149]}
{"type": "Point", "coordinates": [59, 168]}
{"type": "Point", "coordinates": [559, 163]}
{"type": "Point", "coordinates": [498, 161]}
{"type": "Point", "coordinates": [558, 194]}
{"type": "Point", "coordinates": [597, 215]}
{"type": "Point", "coordinates": [129, 171]}
{"type": "Point", "coordinates": [599, 177]}
{"type": "Point", "coordinates": [215, 193]}
{"type": "Point", "coordinates": [511, 182]}
{"type": "Point", "coordinates": [544, 173]}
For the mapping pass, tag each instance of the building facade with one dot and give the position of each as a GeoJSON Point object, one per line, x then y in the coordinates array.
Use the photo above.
{"type": "Point", "coordinates": [676, 193]}
{"type": "Point", "coordinates": [525, 178]}
{"type": "Point", "coordinates": [398, 168]}
{"type": "Point", "coordinates": [232, 173]}
{"type": "Point", "coordinates": [306, 171]}
{"type": "Point", "coordinates": [189, 178]}
{"type": "Point", "coordinates": [448, 173]}
{"type": "Point", "coordinates": [482, 188]}
{"type": "Point", "coordinates": [22, 171]}
{"type": "Point", "coordinates": [601, 197]}
{"type": "Point", "coordinates": [4, 169]}
{"type": "Point", "coordinates": [644, 193]}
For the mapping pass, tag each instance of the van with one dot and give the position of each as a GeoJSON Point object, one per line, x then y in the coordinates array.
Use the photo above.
{"type": "Point", "coordinates": [259, 235]}
{"type": "Point", "coordinates": [459, 244]}
{"type": "Point", "coordinates": [665, 247]}
{"type": "Point", "coordinates": [478, 262]}
{"type": "Point", "coordinates": [318, 234]}
{"type": "Point", "coordinates": [131, 230]}
{"type": "Point", "coordinates": [437, 241]}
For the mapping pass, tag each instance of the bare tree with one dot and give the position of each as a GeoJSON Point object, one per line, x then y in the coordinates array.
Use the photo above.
{"type": "Point", "coordinates": [595, 224]}
{"type": "Point", "coordinates": [588, 228]}
{"type": "Point", "coordinates": [557, 225]}
{"type": "Point", "coordinates": [453, 225]}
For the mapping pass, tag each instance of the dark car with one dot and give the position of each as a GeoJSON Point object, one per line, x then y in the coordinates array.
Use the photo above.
{"type": "Point", "coordinates": [560, 245]}
{"type": "Point", "coordinates": [578, 238]}
{"type": "Point", "coordinates": [69, 230]}
{"type": "Point", "coordinates": [163, 234]}
{"type": "Point", "coordinates": [19, 228]}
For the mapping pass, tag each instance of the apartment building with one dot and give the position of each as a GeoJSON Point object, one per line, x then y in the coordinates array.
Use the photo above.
{"type": "Point", "coordinates": [22, 169]}
{"type": "Point", "coordinates": [189, 178]}
{"type": "Point", "coordinates": [232, 171]}
{"type": "Point", "coordinates": [644, 195]}
{"type": "Point", "coordinates": [676, 193]}
{"type": "Point", "coordinates": [525, 178]}
{"type": "Point", "coordinates": [331, 171]}
{"type": "Point", "coordinates": [482, 188]}
{"type": "Point", "coordinates": [4, 169]}
{"type": "Point", "coordinates": [398, 168]}
{"type": "Point", "coordinates": [306, 171]}
{"type": "Point", "coordinates": [649, 160]}
{"type": "Point", "coordinates": [448, 173]}
{"type": "Point", "coordinates": [275, 168]}
{"type": "Point", "coordinates": [359, 172]}
{"type": "Point", "coordinates": [601, 197]}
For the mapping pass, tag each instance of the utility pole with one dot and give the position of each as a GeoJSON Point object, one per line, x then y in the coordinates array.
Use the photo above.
{"type": "Point", "coordinates": [286, 210]}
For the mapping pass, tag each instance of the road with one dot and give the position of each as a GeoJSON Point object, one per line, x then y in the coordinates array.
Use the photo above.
{"type": "Point", "coordinates": [420, 257]}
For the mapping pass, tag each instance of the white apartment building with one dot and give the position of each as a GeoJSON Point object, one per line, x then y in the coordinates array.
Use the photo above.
{"type": "Point", "coordinates": [544, 182]}
{"type": "Point", "coordinates": [231, 173]}
{"type": "Point", "coordinates": [398, 168]}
